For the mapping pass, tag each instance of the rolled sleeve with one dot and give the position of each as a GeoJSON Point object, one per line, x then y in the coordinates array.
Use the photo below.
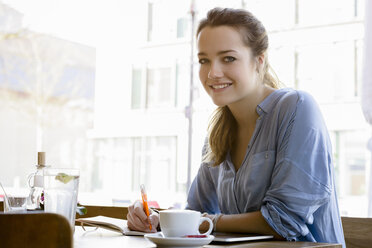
{"type": "Point", "coordinates": [291, 201]}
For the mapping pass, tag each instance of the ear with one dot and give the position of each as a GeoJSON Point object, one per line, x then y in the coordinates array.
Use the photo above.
{"type": "Point", "coordinates": [260, 60]}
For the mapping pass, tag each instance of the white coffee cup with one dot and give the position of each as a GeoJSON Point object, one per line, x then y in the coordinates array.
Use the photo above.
{"type": "Point", "coordinates": [179, 223]}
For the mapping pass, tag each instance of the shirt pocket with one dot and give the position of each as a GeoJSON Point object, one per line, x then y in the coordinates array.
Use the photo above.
{"type": "Point", "coordinates": [256, 179]}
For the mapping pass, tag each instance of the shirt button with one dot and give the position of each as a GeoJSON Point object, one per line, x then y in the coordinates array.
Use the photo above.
{"type": "Point", "coordinates": [266, 155]}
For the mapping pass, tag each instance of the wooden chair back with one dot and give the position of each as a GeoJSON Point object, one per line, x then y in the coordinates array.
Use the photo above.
{"type": "Point", "coordinates": [357, 232]}
{"type": "Point", "coordinates": [35, 230]}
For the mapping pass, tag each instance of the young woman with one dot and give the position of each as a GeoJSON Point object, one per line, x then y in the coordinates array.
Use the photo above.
{"type": "Point", "coordinates": [267, 165]}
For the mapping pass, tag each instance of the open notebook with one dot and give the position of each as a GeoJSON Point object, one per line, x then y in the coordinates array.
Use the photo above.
{"type": "Point", "coordinates": [113, 224]}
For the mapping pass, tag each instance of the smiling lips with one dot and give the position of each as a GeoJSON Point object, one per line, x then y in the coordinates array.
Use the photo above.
{"type": "Point", "coordinates": [220, 86]}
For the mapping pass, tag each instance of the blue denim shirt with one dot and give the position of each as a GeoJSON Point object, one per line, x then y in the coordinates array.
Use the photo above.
{"type": "Point", "coordinates": [287, 173]}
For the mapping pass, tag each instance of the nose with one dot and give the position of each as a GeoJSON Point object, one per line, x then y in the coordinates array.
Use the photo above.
{"type": "Point", "coordinates": [215, 71]}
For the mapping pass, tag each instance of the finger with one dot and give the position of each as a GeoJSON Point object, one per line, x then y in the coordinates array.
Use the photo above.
{"type": "Point", "coordinates": [154, 222]}
{"type": "Point", "coordinates": [147, 228]}
{"type": "Point", "coordinates": [130, 208]}
{"type": "Point", "coordinates": [136, 209]}
{"type": "Point", "coordinates": [139, 217]}
{"type": "Point", "coordinates": [154, 218]}
{"type": "Point", "coordinates": [130, 222]}
{"type": "Point", "coordinates": [135, 224]}
{"type": "Point", "coordinates": [139, 212]}
{"type": "Point", "coordinates": [139, 223]}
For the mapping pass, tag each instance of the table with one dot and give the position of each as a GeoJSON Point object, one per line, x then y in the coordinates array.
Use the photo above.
{"type": "Point", "coordinates": [104, 238]}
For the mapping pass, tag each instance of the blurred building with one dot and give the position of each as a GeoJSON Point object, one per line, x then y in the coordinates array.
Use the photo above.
{"type": "Point", "coordinates": [136, 129]}
{"type": "Point", "coordinates": [314, 46]}
{"type": "Point", "coordinates": [46, 100]}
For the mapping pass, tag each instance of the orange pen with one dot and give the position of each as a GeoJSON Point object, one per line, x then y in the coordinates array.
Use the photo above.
{"type": "Point", "coordinates": [144, 202]}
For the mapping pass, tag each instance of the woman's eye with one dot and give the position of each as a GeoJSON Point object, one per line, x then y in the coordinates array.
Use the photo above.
{"type": "Point", "coordinates": [229, 59]}
{"type": "Point", "coordinates": [202, 61]}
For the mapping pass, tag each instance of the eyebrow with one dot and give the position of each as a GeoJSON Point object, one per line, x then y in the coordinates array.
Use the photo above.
{"type": "Point", "coordinates": [219, 53]}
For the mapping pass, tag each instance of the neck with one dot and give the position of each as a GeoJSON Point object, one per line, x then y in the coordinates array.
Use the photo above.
{"type": "Point", "coordinates": [244, 111]}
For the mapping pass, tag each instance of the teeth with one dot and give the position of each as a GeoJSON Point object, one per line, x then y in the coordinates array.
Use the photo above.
{"type": "Point", "coordinates": [220, 86]}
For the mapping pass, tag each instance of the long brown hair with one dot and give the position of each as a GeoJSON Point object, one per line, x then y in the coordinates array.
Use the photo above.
{"type": "Point", "coordinates": [222, 127]}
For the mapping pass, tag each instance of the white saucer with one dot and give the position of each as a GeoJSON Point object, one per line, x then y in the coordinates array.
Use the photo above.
{"type": "Point", "coordinates": [161, 241]}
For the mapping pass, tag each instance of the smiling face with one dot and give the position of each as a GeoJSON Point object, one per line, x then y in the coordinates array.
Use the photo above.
{"type": "Point", "coordinates": [228, 70]}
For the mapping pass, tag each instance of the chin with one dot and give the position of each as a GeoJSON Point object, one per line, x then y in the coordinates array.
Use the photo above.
{"type": "Point", "coordinates": [220, 103]}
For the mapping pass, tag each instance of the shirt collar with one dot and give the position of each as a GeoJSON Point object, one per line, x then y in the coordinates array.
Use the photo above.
{"type": "Point", "coordinates": [269, 102]}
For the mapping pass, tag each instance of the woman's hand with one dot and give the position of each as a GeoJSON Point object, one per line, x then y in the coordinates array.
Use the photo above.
{"type": "Point", "coordinates": [137, 218]}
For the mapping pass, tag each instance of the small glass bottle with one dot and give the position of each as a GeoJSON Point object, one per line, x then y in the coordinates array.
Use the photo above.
{"type": "Point", "coordinates": [36, 184]}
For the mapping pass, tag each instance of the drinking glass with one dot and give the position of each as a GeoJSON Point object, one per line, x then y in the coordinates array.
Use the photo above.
{"type": "Point", "coordinates": [15, 203]}
{"type": "Point", "coordinates": [61, 187]}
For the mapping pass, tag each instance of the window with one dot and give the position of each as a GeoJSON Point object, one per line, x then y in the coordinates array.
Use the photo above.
{"type": "Point", "coordinates": [267, 12]}
{"type": "Point", "coordinates": [149, 21]}
{"type": "Point", "coordinates": [182, 27]}
{"type": "Point", "coordinates": [159, 88]}
{"type": "Point", "coordinates": [351, 162]}
{"type": "Point", "coordinates": [359, 8]}
{"type": "Point", "coordinates": [156, 88]}
{"type": "Point", "coordinates": [358, 60]}
{"type": "Point", "coordinates": [167, 21]}
{"type": "Point", "coordinates": [47, 91]}
{"type": "Point", "coordinates": [327, 71]}
{"type": "Point", "coordinates": [160, 25]}
{"type": "Point", "coordinates": [122, 164]}
{"type": "Point", "coordinates": [284, 71]}
{"type": "Point", "coordinates": [154, 163]}
{"type": "Point", "coordinates": [112, 166]}
{"type": "Point", "coordinates": [327, 12]}
{"type": "Point", "coordinates": [137, 91]}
